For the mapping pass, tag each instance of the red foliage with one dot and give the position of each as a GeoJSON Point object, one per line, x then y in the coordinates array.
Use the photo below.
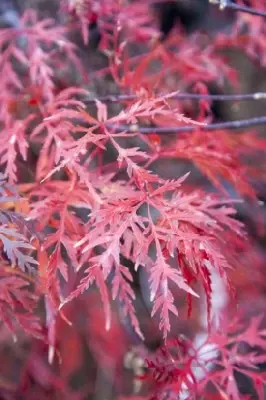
{"type": "Point", "coordinates": [186, 370]}
{"type": "Point", "coordinates": [101, 230]}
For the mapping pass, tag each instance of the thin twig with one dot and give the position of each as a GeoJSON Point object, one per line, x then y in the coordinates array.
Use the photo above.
{"type": "Point", "coordinates": [120, 98]}
{"type": "Point", "coordinates": [244, 123]}
{"type": "Point", "coordinates": [249, 10]}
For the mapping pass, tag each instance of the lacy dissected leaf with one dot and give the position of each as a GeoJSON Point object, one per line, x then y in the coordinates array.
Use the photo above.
{"type": "Point", "coordinates": [184, 370]}
{"type": "Point", "coordinates": [55, 136]}
{"type": "Point", "coordinates": [171, 370]}
{"type": "Point", "coordinates": [38, 55]}
{"type": "Point", "coordinates": [12, 217]}
{"type": "Point", "coordinates": [59, 212]}
{"type": "Point", "coordinates": [18, 304]}
{"type": "Point", "coordinates": [40, 58]}
{"type": "Point", "coordinates": [192, 66]}
{"type": "Point", "coordinates": [13, 143]}
{"type": "Point", "coordinates": [184, 243]}
{"type": "Point", "coordinates": [16, 248]}
{"type": "Point", "coordinates": [241, 347]}
{"type": "Point", "coordinates": [220, 157]}
{"type": "Point", "coordinates": [61, 149]}
{"type": "Point", "coordinates": [8, 192]}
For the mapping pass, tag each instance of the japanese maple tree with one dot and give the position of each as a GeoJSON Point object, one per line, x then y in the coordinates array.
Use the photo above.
{"type": "Point", "coordinates": [122, 198]}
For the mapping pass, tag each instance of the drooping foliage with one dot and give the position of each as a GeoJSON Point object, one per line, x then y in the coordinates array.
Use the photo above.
{"type": "Point", "coordinates": [128, 198]}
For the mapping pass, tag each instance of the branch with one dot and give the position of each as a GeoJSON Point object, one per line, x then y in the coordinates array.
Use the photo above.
{"type": "Point", "coordinates": [228, 4]}
{"type": "Point", "coordinates": [244, 124]}
{"type": "Point", "coordinates": [117, 98]}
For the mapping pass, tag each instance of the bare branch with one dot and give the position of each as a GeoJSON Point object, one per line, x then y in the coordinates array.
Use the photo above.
{"type": "Point", "coordinates": [228, 4]}
{"type": "Point", "coordinates": [244, 124]}
{"type": "Point", "coordinates": [117, 98]}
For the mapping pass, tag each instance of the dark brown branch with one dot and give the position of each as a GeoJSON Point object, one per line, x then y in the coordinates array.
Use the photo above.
{"type": "Point", "coordinates": [183, 96]}
{"type": "Point", "coordinates": [228, 4]}
{"type": "Point", "coordinates": [244, 124]}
